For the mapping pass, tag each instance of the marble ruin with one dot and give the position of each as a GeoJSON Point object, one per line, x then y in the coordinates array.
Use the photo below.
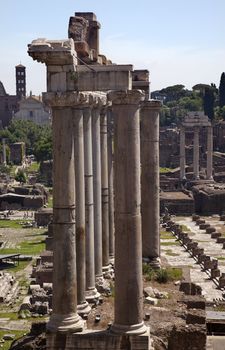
{"type": "Point", "coordinates": [196, 121]}
{"type": "Point", "coordinates": [97, 106]}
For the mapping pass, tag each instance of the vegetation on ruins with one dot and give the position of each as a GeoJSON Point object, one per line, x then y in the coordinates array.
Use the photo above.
{"type": "Point", "coordinates": [21, 176]}
{"type": "Point", "coordinates": [38, 139]}
{"type": "Point", "coordinates": [163, 275]}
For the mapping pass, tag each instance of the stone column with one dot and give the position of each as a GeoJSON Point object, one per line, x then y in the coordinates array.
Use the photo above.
{"type": "Point", "coordinates": [209, 153]}
{"type": "Point", "coordinates": [182, 153]}
{"type": "Point", "coordinates": [64, 315]}
{"type": "Point", "coordinates": [128, 242]}
{"type": "Point", "coordinates": [150, 181]}
{"type": "Point", "coordinates": [83, 307]}
{"type": "Point", "coordinates": [4, 152]}
{"type": "Point", "coordinates": [196, 153]}
{"type": "Point", "coordinates": [89, 206]}
{"type": "Point", "coordinates": [111, 184]}
{"type": "Point", "coordinates": [105, 190]}
{"type": "Point", "coordinates": [96, 151]}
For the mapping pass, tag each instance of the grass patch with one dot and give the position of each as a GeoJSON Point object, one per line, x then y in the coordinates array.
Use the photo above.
{"type": "Point", "coordinates": [220, 257]}
{"type": "Point", "coordinates": [33, 247]}
{"type": "Point", "coordinates": [34, 167]}
{"type": "Point", "coordinates": [5, 223]}
{"type": "Point", "coordinates": [163, 275]}
{"type": "Point", "coordinates": [185, 228]}
{"type": "Point", "coordinates": [170, 253]}
{"type": "Point", "coordinates": [166, 235]}
{"type": "Point", "coordinates": [164, 170]}
{"type": "Point", "coordinates": [169, 243]}
{"type": "Point", "coordinates": [6, 345]}
{"type": "Point", "coordinates": [50, 202]}
{"type": "Point", "coordinates": [15, 268]}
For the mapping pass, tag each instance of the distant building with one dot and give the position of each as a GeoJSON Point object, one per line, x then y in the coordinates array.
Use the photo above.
{"type": "Point", "coordinates": [9, 103]}
{"type": "Point", "coordinates": [32, 108]}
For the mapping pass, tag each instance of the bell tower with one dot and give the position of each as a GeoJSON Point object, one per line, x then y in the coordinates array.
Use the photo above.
{"type": "Point", "coordinates": [20, 81]}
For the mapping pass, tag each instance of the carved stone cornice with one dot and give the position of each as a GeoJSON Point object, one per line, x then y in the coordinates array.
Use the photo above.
{"type": "Point", "coordinates": [126, 97]}
{"type": "Point", "coordinates": [53, 52]}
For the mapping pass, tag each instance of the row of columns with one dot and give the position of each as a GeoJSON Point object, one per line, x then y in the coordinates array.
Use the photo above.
{"type": "Point", "coordinates": [209, 169]}
{"type": "Point", "coordinates": [87, 188]}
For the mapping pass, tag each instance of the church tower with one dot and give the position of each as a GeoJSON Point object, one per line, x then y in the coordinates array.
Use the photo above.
{"type": "Point", "coordinates": [20, 81]}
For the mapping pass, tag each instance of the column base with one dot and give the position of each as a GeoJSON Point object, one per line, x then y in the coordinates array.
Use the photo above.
{"type": "Point", "coordinates": [135, 329]}
{"type": "Point", "coordinates": [65, 323]}
{"type": "Point", "coordinates": [155, 263]}
{"type": "Point", "coordinates": [83, 309]}
{"type": "Point", "coordinates": [95, 340]}
{"type": "Point", "coordinates": [92, 295]}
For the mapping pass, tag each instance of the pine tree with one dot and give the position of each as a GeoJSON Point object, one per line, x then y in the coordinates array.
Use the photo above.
{"type": "Point", "coordinates": [222, 90]}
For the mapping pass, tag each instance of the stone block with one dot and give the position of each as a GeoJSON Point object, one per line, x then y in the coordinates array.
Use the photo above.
{"type": "Point", "coordinates": [204, 226]}
{"type": "Point", "coordinates": [216, 234]}
{"type": "Point", "coordinates": [196, 316]}
{"type": "Point", "coordinates": [215, 273]}
{"type": "Point", "coordinates": [194, 302]}
{"type": "Point", "coordinates": [220, 240]}
{"type": "Point", "coordinates": [200, 221]}
{"type": "Point", "coordinates": [195, 217]}
{"type": "Point", "coordinates": [210, 229]}
{"type": "Point", "coordinates": [187, 337]}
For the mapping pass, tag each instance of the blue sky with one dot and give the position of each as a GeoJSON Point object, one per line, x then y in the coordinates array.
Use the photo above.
{"type": "Point", "coordinates": [178, 41]}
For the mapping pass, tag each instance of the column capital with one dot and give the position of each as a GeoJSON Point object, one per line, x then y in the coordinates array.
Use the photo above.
{"type": "Point", "coordinates": [74, 99]}
{"type": "Point", "coordinates": [151, 105]}
{"type": "Point", "coordinates": [125, 97]}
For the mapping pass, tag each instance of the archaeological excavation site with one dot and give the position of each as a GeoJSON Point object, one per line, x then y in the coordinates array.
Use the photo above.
{"type": "Point", "coordinates": [118, 241]}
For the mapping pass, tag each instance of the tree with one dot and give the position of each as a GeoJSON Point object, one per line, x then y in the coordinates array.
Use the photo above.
{"type": "Point", "coordinates": [208, 102]}
{"type": "Point", "coordinates": [222, 90]}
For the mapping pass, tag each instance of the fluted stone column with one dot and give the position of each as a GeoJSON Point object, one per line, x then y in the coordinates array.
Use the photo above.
{"type": "Point", "coordinates": [150, 181]}
{"type": "Point", "coordinates": [111, 184]}
{"type": "Point", "coordinates": [83, 307]}
{"type": "Point", "coordinates": [196, 153]}
{"type": "Point", "coordinates": [96, 151]}
{"type": "Point", "coordinates": [210, 153]}
{"type": "Point", "coordinates": [182, 153]}
{"type": "Point", "coordinates": [104, 189]}
{"type": "Point", "coordinates": [64, 315]}
{"type": "Point", "coordinates": [89, 206]}
{"type": "Point", "coordinates": [128, 241]}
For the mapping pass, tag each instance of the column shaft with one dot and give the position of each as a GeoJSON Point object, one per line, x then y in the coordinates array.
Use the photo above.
{"type": "Point", "coordinates": [64, 315]}
{"type": "Point", "coordinates": [182, 153]}
{"type": "Point", "coordinates": [196, 154]}
{"type": "Point", "coordinates": [80, 210]}
{"type": "Point", "coordinates": [150, 180]}
{"type": "Point", "coordinates": [96, 149]}
{"type": "Point", "coordinates": [111, 185]}
{"type": "Point", "coordinates": [105, 190]}
{"type": "Point", "coordinates": [210, 153]}
{"type": "Point", "coordinates": [128, 241]}
{"type": "Point", "coordinates": [89, 205]}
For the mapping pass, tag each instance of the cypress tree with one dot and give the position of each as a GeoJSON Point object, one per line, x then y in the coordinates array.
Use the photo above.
{"type": "Point", "coordinates": [222, 90]}
{"type": "Point", "coordinates": [208, 102]}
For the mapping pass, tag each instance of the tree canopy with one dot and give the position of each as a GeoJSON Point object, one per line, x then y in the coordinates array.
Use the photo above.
{"type": "Point", "coordinates": [38, 139]}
